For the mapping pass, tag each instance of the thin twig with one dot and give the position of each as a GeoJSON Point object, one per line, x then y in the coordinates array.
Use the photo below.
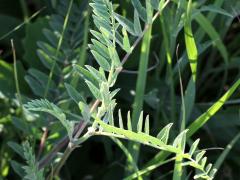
{"type": "Point", "coordinates": [21, 24]}
{"type": "Point", "coordinates": [183, 123]}
{"type": "Point", "coordinates": [136, 72]}
{"type": "Point", "coordinates": [19, 98]}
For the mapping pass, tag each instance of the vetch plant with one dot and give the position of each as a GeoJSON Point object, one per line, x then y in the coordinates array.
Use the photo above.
{"type": "Point", "coordinates": [113, 30]}
{"type": "Point", "coordinates": [77, 84]}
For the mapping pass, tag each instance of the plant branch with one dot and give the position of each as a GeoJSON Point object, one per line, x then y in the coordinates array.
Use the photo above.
{"type": "Point", "coordinates": [81, 127]}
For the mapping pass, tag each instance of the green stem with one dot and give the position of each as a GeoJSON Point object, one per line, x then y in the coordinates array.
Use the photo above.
{"type": "Point", "coordinates": [71, 147]}
{"type": "Point", "coordinates": [19, 97]}
{"type": "Point", "coordinates": [24, 10]}
{"type": "Point", "coordinates": [60, 41]}
{"type": "Point", "coordinates": [178, 169]}
{"type": "Point", "coordinates": [58, 167]}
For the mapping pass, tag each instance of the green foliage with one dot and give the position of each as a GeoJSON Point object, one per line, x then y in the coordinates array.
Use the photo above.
{"type": "Point", "coordinates": [194, 45]}
{"type": "Point", "coordinates": [31, 169]}
{"type": "Point", "coordinates": [45, 106]}
{"type": "Point", "coordinates": [197, 161]}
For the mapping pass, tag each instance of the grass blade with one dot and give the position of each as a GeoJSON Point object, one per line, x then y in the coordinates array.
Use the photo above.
{"type": "Point", "coordinates": [226, 151]}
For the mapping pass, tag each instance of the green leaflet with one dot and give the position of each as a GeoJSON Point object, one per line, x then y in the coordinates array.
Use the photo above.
{"type": "Point", "coordinates": [140, 9]}
{"type": "Point", "coordinates": [128, 25]}
{"type": "Point", "coordinates": [74, 94]}
{"type": "Point", "coordinates": [31, 169]}
{"type": "Point", "coordinates": [44, 105]}
{"type": "Point", "coordinates": [41, 77]}
{"type": "Point", "coordinates": [98, 75]}
{"type": "Point", "coordinates": [193, 147]}
{"type": "Point", "coordinates": [163, 135]}
{"type": "Point", "coordinates": [36, 87]}
{"type": "Point", "coordinates": [126, 43]}
{"type": "Point", "coordinates": [155, 4]}
{"type": "Point", "coordinates": [85, 111]}
{"type": "Point", "coordinates": [95, 91]}
{"type": "Point", "coordinates": [178, 146]}
{"type": "Point", "coordinates": [86, 75]}
{"type": "Point", "coordinates": [100, 47]}
{"type": "Point", "coordinates": [136, 23]}
{"type": "Point", "coordinates": [16, 147]}
{"type": "Point", "coordinates": [101, 61]}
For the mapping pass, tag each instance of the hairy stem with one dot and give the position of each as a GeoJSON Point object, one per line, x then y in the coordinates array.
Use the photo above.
{"type": "Point", "coordinates": [80, 128]}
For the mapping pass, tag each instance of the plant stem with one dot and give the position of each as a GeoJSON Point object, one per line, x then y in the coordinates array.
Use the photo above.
{"type": "Point", "coordinates": [65, 156]}
{"type": "Point", "coordinates": [178, 169]}
{"type": "Point", "coordinates": [72, 146]}
{"type": "Point", "coordinates": [45, 160]}
{"type": "Point", "coordinates": [21, 24]}
{"type": "Point", "coordinates": [60, 41]}
{"type": "Point", "coordinates": [42, 142]}
{"type": "Point", "coordinates": [19, 97]}
{"type": "Point", "coordinates": [24, 10]}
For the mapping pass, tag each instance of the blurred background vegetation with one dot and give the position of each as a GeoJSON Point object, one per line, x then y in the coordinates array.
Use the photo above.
{"type": "Point", "coordinates": [99, 158]}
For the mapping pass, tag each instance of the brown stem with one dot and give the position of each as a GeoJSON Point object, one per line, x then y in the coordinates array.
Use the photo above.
{"type": "Point", "coordinates": [62, 143]}
{"type": "Point", "coordinates": [42, 143]}
{"type": "Point", "coordinates": [46, 159]}
{"type": "Point", "coordinates": [82, 127]}
{"type": "Point", "coordinates": [72, 146]}
{"type": "Point", "coordinates": [65, 156]}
